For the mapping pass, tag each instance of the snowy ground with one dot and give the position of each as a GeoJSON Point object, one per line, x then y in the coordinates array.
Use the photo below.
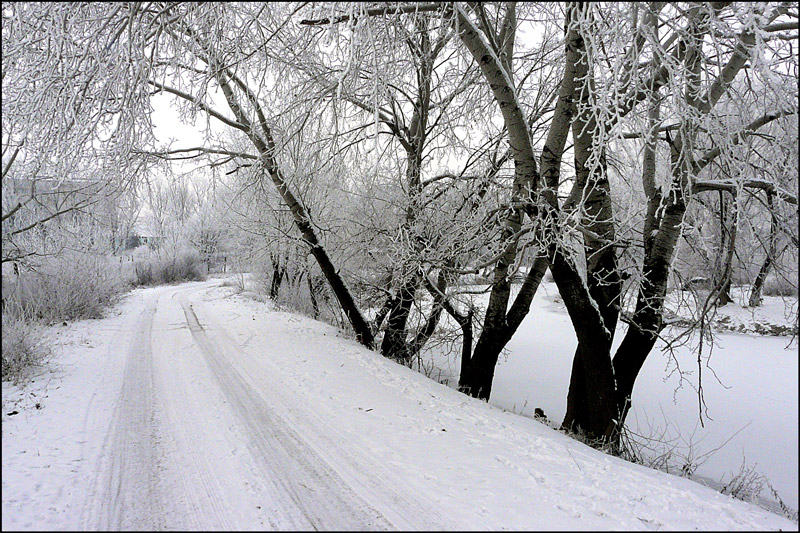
{"type": "Point", "coordinates": [750, 386]}
{"type": "Point", "coordinates": [189, 408]}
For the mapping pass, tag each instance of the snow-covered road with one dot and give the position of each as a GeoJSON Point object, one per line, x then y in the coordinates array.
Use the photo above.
{"type": "Point", "coordinates": [191, 409]}
{"type": "Point", "coordinates": [189, 397]}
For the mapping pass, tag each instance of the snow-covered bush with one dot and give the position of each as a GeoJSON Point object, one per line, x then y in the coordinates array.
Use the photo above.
{"type": "Point", "coordinates": [237, 281]}
{"type": "Point", "coordinates": [144, 273]}
{"type": "Point", "coordinates": [663, 448]}
{"type": "Point", "coordinates": [183, 266]}
{"type": "Point", "coordinates": [22, 348]}
{"type": "Point", "coordinates": [780, 286]}
{"type": "Point", "coordinates": [67, 287]}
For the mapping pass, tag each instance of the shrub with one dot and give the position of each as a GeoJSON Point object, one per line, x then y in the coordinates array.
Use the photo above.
{"type": "Point", "coordinates": [143, 272]}
{"type": "Point", "coordinates": [189, 267]}
{"type": "Point", "coordinates": [786, 511]}
{"type": "Point", "coordinates": [153, 270]}
{"type": "Point", "coordinates": [237, 281]}
{"type": "Point", "coordinates": [296, 295]}
{"type": "Point", "coordinates": [70, 287]}
{"type": "Point", "coordinates": [660, 449]}
{"type": "Point", "coordinates": [779, 286]}
{"type": "Point", "coordinates": [22, 348]}
{"type": "Point", "coordinates": [746, 485]}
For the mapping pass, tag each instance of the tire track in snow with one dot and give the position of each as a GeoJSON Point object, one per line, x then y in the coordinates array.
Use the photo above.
{"type": "Point", "coordinates": [208, 509]}
{"type": "Point", "coordinates": [309, 483]}
{"type": "Point", "coordinates": [124, 495]}
{"type": "Point", "coordinates": [356, 466]}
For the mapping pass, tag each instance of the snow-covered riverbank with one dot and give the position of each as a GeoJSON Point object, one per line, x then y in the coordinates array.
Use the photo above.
{"type": "Point", "coordinates": [750, 387]}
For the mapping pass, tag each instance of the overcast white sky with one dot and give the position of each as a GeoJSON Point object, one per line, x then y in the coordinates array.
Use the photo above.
{"type": "Point", "coordinates": [168, 124]}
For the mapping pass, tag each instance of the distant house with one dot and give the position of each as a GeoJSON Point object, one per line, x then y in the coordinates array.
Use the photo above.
{"type": "Point", "coordinates": [134, 241]}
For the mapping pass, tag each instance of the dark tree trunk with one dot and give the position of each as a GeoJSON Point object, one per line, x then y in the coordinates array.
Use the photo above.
{"type": "Point", "coordinates": [395, 337]}
{"type": "Point", "coordinates": [466, 340]}
{"type": "Point", "coordinates": [383, 312]}
{"type": "Point", "coordinates": [360, 326]}
{"type": "Point", "coordinates": [499, 325]}
{"type": "Point", "coordinates": [265, 144]}
{"type": "Point", "coordinates": [313, 296]}
{"type": "Point", "coordinates": [591, 403]}
{"type": "Point", "coordinates": [662, 224]}
{"type": "Point", "coordinates": [661, 233]}
{"type": "Point", "coordinates": [477, 380]}
{"type": "Point", "coordinates": [425, 333]}
{"type": "Point", "coordinates": [758, 284]}
{"type": "Point", "coordinates": [724, 260]}
{"type": "Point", "coordinates": [394, 344]}
{"type": "Point", "coordinates": [724, 297]}
{"type": "Point", "coordinates": [477, 371]}
{"type": "Point", "coordinates": [647, 320]}
{"type": "Point", "coordinates": [441, 302]}
{"type": "Point", "coordinates": [591, 400]}
{"type": "Point", "coordinates": [592, 387]}
{"type": "Point", "coordinates": [278, 272]}
{"type": "Point", "coordinates": [438, 294]}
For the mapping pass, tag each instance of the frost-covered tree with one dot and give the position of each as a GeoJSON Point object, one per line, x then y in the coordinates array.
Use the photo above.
{"type": "Point", "coordinates": [69, 114]}
{"type": "Point", "coordinates": [404, 146]}
{"type": "Point", "coordinates": [619, 65]}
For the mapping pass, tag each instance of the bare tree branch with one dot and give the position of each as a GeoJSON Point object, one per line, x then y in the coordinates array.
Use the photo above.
{"type": "Point", "coordinates": [732, 187]}
{"type": "Point", "coordinates": [377, 11]}
{"type": "Point", "coordinates": [189, 98]}
{"type": "Point", "coordinates": [201, 149]}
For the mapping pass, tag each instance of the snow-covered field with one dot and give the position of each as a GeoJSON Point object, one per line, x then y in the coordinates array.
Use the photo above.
{"type": "Point", "coordinates": [750, 386]}
{"type": "Point", "coordinates": [189, 408]}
